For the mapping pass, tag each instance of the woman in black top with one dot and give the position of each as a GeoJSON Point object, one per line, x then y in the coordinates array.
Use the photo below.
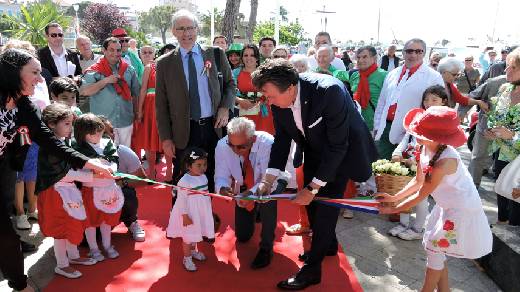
{"type": "Point", "coordinates": [20, 124]}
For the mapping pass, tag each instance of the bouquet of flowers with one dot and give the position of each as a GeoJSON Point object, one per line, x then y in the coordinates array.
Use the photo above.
{"type": "Point", "coordinates": [503, 114]}
{"type": "Point", "coordinates": [383, 166]}
{"type": "Point", "coordinates": [255, 96]}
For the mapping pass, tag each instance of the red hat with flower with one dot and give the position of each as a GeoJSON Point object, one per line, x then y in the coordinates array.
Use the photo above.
{"type": "Point", "coordinates": [438, 123]}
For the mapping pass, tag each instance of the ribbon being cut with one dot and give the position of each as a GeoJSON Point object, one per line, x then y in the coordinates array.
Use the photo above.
{"type": "Point", "coordinates": [363, 204]}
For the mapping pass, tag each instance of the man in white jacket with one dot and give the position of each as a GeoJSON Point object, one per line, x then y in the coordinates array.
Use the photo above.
{"type": "Point", "coordinates": [402, 91]}
{"type": "Point", "coordinates": [241, 160]}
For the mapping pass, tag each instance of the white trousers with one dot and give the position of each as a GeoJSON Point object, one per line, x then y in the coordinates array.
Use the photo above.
{"type": "Point", "coordinates": [123, 136]}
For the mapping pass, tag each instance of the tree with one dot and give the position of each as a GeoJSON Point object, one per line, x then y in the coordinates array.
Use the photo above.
{"type": "Point", "coordinates": [290, 34]}
{"type": "Point", "coordinates": [5, 25]}
{"type": "Point", "coordinates": [230, 17]}
{"type": "Point", "coordinates": [205, 20]}
{"type": "Point", "coordinates": [100, 19]}
{"type": "Point", "coordinates": [81, 10]}
{"type": "Point", "coordinates": [252, 20]}
{"type": "Point", "coordinates": [159, 18]}
{"type": "Point", "coordinates": [30, 24]}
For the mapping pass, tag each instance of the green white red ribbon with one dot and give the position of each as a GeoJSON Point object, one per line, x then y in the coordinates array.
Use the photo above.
{"type": "Point", "coordinates": [363, 204]}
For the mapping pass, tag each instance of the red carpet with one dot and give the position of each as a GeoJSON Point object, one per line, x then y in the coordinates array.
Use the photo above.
{"type": "Point", "coordinates": [156, 264]}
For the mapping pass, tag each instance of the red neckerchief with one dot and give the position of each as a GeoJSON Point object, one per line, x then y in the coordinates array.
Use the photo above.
{"type": "Point", "coordinates": [410, 73]}
{"type": "Point", "coordinates": [393, 108]}
{"type": "Point", "coordinates": [362, 94]}
{"type": "Point", "coordinates": [103, 67]}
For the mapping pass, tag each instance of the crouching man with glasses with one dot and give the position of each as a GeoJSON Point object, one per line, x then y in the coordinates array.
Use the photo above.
{"type": "Point", "coordinates": [241, 160]}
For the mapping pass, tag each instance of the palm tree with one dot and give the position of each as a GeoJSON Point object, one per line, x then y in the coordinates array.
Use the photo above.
{"type": "Point", "coordinates": [30, 24]}
{"type": "Point", "coordinates": [252, 21]}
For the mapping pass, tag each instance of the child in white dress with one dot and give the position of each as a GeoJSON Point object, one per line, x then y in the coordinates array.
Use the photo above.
{"type": "Point", "coordinates": [457, 225]}
{"type": "Point", "coordinates": [191, 217]}
{"type": "Point", "coordinates": [433, 96]}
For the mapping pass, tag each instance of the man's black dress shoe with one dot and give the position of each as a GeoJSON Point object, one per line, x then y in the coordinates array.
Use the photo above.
{"type": "Point", "coordinates": [298, 282]}
{"type": "Point", "coordinates": [262, 259]}
{"type": "Point", "coordinates": [27, 247]}
{"type": "Point", "coordinates": [303, 256]}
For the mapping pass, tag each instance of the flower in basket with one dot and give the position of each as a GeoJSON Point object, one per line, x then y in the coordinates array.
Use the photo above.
{"type": "Point", "coordinates": [384, 166]}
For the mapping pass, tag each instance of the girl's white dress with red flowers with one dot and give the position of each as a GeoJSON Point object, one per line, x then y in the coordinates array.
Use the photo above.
{"type": "Point", "coordinates": [457, 225]}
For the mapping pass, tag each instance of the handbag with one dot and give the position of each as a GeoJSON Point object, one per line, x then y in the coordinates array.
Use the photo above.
{"type": "Point", "coordinates": [509, 179]}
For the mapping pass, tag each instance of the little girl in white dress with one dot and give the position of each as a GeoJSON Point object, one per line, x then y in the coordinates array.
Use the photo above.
{"type": "Point", "coordinates": [457, 225]}
{"type": "Point", "coordinates": [191, 217]}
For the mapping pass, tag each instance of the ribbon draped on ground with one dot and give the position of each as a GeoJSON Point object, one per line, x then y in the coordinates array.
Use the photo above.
{"type": "Point", "coordinates": [363, 204]}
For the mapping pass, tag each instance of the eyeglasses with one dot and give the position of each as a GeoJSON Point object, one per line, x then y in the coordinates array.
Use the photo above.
{"type": "Point", "coordinates": [146, 52]}
{"type": "Point", "coordinates": [417, 51]}
{"type": "Point", "coordinates": [124, 41]}
{"type": "Point", "coordinates": [186, 29]}
{"type": "Point", "coordinates": [434, 65]}
{"type": "Point", "coordinates": [239, 147]}
{"type": "Point", "coordinates": [468, 60]}
{"type": "Point", "coordinates": [279, 56]}
{"type": "Point", "coordinates": [55, 35]}
{"type": "Point", "coordinates": [454, 74]}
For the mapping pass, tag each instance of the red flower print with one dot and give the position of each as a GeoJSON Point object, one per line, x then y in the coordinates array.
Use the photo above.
{"type": "Point", "coordinates": [448, 225]}
{"type": "Point", "coordinates": [443, 243]}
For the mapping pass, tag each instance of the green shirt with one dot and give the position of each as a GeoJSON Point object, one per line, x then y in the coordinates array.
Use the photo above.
{"type": "Point", "coordinates": [375, 83]}
{"type": "Point", "coordinates": [136, 63]}
{"type": "Point", "coordinates": [107, 102]}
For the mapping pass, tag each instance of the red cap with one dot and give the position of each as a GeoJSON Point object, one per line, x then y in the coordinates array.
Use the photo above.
{"type": "Point", "coordinates": [119, 32]}
{"type": "Point", "coordinates": [438, 123]}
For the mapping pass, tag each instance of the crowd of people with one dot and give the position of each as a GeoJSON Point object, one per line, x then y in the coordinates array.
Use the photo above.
{"type": "Point", "coordinates": [246, 119]}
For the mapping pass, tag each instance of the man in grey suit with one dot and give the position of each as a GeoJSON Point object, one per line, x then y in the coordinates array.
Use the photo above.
{"type": "Point", "coordinates": [192, 98]}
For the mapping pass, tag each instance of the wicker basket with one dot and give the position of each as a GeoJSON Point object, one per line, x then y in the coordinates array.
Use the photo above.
{"type": "Point", "coordinates": [391, 184]}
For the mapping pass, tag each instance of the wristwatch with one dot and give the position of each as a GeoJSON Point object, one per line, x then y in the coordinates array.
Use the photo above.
{"type": "Point", "coordinates": [313, 191]}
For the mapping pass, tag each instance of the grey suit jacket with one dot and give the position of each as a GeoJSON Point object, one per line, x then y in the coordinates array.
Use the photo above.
{"type": "Point", "coordinates": [172, 97]}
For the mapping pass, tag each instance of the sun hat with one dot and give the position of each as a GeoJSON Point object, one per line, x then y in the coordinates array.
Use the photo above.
{"type": "Point", "coordinates": [438, 123]}
{"type": "Point", "coordinates": [119, 32]}
{"type": "Point", "coordinates": [235, 48]}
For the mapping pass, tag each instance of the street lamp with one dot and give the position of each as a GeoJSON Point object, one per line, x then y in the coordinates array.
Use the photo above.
{"type": "Point", "coordinates": [76, 29]}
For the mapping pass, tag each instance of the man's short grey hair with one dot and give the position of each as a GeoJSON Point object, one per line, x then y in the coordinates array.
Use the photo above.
{"type": "Point", "coordinates": [241, 125]}
{"type": "Point", "coordinates": [184, 13]}
{"type": "Point", "coordinates": [450, 64]}
{"type": "Point", "coordinates": [299, 59]}
{"type": "Point", "coordinates": [328, 48]}
{"type": "Point", "coordinates": [416, 40]}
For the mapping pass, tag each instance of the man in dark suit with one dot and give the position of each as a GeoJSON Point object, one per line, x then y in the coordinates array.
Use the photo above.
{"type": "Point", "coordinates": [58, 61]}
{"type": "Point", "coordinates": [192, 100]}
{"type": "Point", "coordinates": [390, 61]}
{"type": "Point", "coordinates": [316, 112]}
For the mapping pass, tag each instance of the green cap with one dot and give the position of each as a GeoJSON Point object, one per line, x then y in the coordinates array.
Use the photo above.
{"type": "Point", "coordinates": [235, 48]}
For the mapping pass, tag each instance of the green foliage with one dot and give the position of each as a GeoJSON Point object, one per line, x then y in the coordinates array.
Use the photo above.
{"type": "Point", "coordinates": [205, 20]}
{"type": "Point", "coordinates": [5, 26]}
{"type": "Point", "coordinates": [157, 18]}
{"type": "Point", "coordinates": [139, 36]}
{"type": "Point", "coordinates": [290, 34]}
{"type": "Point", "coordinates": [30, 24]}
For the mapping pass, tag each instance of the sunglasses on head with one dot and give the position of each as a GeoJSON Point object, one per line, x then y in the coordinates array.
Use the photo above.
{"type": "Point", "coordinates": [55, 35]}
{"type": "Point", "coordinates": [238, 147]}
{"type": "Point", "coordinates": [417, 51]}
